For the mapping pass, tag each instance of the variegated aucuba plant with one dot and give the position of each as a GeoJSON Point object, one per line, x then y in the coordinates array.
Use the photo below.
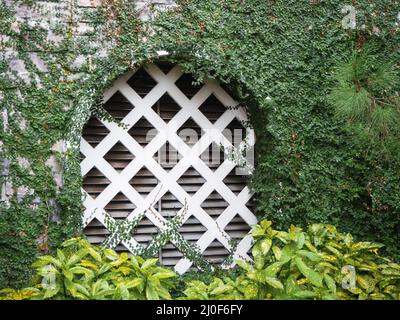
{"type": "Point", "coordinates": [83, 271]}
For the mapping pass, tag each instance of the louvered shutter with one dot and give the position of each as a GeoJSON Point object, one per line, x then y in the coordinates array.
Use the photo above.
{"type": "Point", "coordinates": [120, 180]}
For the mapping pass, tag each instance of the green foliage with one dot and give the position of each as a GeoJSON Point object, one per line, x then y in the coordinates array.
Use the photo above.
{"type": "Point", "coordinates": [183, 281]}
{"type": "Point", "coordinates": [310, 264]}
{"type": "Point", "coordinates": [367, 96]}
{"type": "Point", "coordinates": [82, 271]}
{"type": "Point", "coordinates": [14, 294]}
{"type": "Point", "coordinates": [53, 104]}
{"type": "Point", "coordinates": [278, 60]}
{"type": "Point", "coordinates": [319, 263]}
{"type": "Point", "coordinates": [123, 230]}
{"type": "Point", "coordinates": [240, 288]}
{"type": "Point", "coordinates": [276, 57]}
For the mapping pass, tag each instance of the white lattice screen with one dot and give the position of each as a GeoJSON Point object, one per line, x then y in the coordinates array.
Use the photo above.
{"type": "Point", "coordinates": [126, 171]}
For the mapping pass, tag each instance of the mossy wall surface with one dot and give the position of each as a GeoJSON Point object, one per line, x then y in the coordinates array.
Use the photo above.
{"type": "Point", "coordinates": [276, 57]}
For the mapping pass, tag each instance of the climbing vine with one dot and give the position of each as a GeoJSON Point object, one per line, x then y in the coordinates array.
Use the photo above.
{"type": "Point", "coordinates": [277, 57]}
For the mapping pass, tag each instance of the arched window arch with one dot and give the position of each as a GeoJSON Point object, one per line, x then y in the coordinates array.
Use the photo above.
{"type": "Point", "coordinates": [174, 152]}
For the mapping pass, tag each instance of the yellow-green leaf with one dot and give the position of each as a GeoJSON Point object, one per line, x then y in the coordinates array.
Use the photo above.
{"type": "Point", "coordinates": [274, 282]}
{"type": "Point", "coordinates": [265, 245]}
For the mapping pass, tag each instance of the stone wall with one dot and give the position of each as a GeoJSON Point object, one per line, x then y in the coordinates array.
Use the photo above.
{"type": "Point", "coordinates": [47, 15]}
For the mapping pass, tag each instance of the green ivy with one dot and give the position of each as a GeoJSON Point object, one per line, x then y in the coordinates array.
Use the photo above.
{"type": "Point", "coordinates": [276, 57]}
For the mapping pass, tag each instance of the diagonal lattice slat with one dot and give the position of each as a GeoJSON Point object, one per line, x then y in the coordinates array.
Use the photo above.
{"type": "Point", "coordinates": [137, 155]}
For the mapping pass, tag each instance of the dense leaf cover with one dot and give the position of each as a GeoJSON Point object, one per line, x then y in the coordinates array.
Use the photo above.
{"type": "Point", "coordinates": [279, 58]}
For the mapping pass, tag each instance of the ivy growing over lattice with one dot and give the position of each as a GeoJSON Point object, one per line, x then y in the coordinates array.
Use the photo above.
{"type": "Point", "coordinates": [212, 132]}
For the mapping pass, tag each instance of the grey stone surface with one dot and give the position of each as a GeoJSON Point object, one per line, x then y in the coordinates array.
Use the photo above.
{"type": "Point", "coordinates": [39, 63]}
{"type": "Point", "coordinates": [5, 167]}
{"type": "Point", "coordinates": [56, 170]}
{"type": "Point", "coordinates": [22, 192]}
{"type": "Point", "coordinates": [43, 15]}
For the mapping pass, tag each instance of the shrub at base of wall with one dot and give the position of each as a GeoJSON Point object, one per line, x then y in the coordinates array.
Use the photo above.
{"type": "Point", "coordinates": [319, 263]}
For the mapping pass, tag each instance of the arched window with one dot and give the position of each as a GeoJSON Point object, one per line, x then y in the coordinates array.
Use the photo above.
{"type": "Point", "coordinates": [174, 152]}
